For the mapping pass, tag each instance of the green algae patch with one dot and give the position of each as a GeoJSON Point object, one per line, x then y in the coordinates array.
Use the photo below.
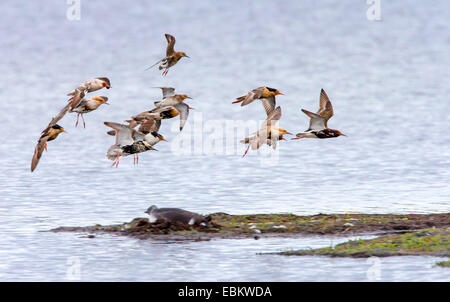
{"type": "Point", "coordinates": [255, 225]}
{"type": "Point", "coordinates": [443, 263]}
{"type": "Point", "coordinates": [433, 242]}
{"type": "Point", "coordinates": [332, 224]}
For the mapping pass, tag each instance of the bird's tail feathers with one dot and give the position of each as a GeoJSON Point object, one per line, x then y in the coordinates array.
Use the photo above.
{"type": "Point", "coordinates": [239, 99]}
{"type": "Point", "coordinates": [154, 64]}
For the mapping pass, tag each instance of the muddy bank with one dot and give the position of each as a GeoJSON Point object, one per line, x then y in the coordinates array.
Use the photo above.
{"type": "Point", "coordinates": [241, 226]}
{"type": "Point", "coordinates": [432, 242]}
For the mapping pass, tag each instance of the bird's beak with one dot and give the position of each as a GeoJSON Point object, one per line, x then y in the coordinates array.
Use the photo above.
{"type": "Point", "coordinates": [280, 93]}
{"type": "Point", "coordinates": [163, 139]}
{"type": "Point", "coordinates": [343, 134]}
{"type": "Point", "coordinates": [288, 133]}
{"type": "Point", "coordinates": [64, 130]}
{"type": "Point", "coordinates": [187, 56]}
{"type": "Point", "coordinates": [188, 97]}
{"type": "Point", "coordinates": [190, 107]}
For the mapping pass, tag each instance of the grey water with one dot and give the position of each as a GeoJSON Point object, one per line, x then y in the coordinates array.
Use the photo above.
{"type": "Point", "coordinates": [388, 80]}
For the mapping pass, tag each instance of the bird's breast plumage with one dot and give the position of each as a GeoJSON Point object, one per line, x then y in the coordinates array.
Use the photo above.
{"type": "Point", "coordinates": [326, 133]}
{"type": "Point", "coordinates": [136, 147]}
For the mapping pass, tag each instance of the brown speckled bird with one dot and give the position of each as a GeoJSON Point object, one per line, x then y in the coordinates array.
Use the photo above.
{"type": "Point", "coordinates": [172, 100]}
{"type": "Point", "coordinates": [49, 134]}
{"type": "Point", "coordinates": [167, 112]}
{"type": "Point", "coordinates": [172, 57]}
{"type": "Point", "coordinates": [89, 86]}
{"type": "Point", "coordinates": [130, 141]}
{"type": "Point", "coordinates": [146, 124]}
{"type": "Point", "coordinates": [267, 134]}
{"type": "Point", "coordinates": [86, 106]}
{"type": "Point", "coordinates": [265, 94]}
{"type": "Point", "coordinates": [318, 125]}
{"type": "Point", "coordinates": [170, 106]}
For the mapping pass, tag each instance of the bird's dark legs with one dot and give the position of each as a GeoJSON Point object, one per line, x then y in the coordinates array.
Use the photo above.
{"type": "Point", "coordinates": [246, 150]}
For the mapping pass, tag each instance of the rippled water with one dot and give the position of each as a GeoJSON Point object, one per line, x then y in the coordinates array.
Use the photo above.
{"type": "Point", "coordinates": [388, 81]}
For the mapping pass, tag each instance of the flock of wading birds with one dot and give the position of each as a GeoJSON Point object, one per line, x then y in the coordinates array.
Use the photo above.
{"type": "Point", "coordinates": [141, 132]}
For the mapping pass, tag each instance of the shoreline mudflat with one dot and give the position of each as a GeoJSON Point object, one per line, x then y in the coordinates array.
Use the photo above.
{"type": "Point", "coordinates": [397, 235]}
{"type": "Point", "coordinates": [253, 226]}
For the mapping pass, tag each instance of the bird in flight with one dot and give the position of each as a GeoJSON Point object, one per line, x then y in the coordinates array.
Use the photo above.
{"type": "Point", "coordinates": [172, 57]}
{"type": "Point", "coordinates": [318, 124]}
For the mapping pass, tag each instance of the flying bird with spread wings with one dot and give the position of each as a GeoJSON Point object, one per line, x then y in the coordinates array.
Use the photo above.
{"type": "Point", "coordinates": [268, 133]}
{"type": "Point", "coordinates": [79, 93]}
{"type": "Point", "coordinates": [265, 94]}
{"type": "Point", "coordinates": [172, 57]}
{"type": "Point", "coordinates": [130, 141]}
{"type": "Point", "coordinates": [77, 104]}
{"type": "Point", "coordinates": [50, 133]}
{"type": "Point", "coordinates": [318, 124]}
{"type": "Point", "coordinates": [172, 105]}
{"type": "Point", "coordinates": [86, 106]}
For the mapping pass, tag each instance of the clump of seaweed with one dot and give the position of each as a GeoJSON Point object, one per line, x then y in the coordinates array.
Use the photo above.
{"type": "Point", "coordinates": [434, 242]}
{"type": "Point", "coordinates": [443, 263]}
{"type": "Point", "coordinates": [238, 226]}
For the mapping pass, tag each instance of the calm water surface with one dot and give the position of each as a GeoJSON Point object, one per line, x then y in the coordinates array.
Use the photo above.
{"type": "Point", "coordinates": [388, 81]}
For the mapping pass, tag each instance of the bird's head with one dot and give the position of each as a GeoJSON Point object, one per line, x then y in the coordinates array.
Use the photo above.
{"type": "Point", "coordinates": [280, 132]}
{"type": "Point", "coordinates": [183, 54]}
{"type": "Point", "coordinates": [151, 209]}
{"type": "Point", "coordinates": [283, 131]}
{"type": "Point", "coordinates": [58, 129]}
{"type": "Point", "coordinates": [101, 99]}
{"type": "Point", "coordinates": [274, 91]}
{"type": "Point", "coordinates": [156, 134]}
{"type": "Point", "coordinates": [336, 133]}
{"type": "Point", "coordinates": [182, 97]}
{"type": "Point", "coordinates": [105, 82]}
